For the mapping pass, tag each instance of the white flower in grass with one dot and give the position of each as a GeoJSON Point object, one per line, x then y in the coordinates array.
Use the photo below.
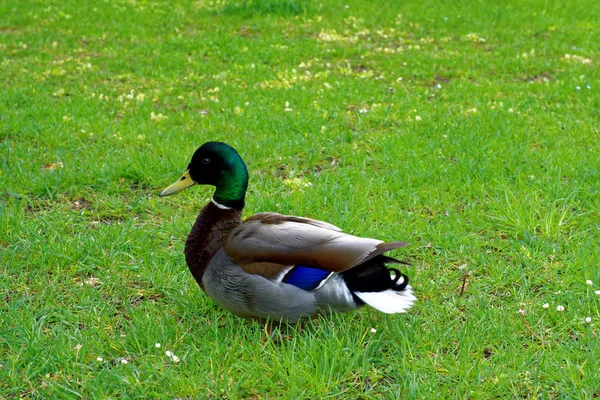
{"type": "Point", "coordinates": [560, 308]}
{"type": "Point", "coordinates": [589, 282]}
{"type": "Point", "coordinates": [373, 330]}
{"type": "Point", "coordinates": [124, 361]}
{"type": "Point", "coordinates": [92, 281]}
{"type": "Point", "coordinates": [157, 345]}
{"type": "Point", "coordinates": [522, 311]}
{"type": "Point", "coordinates": [546, 306]}
{"type": "Point", "coordinates": [172, 356]}
{"type": "Point", "coordinates": [588, 320]}
{"type": "Point", "coordinates": [99, 359]}
{"type": "Point", "coordinates": [597, 292]}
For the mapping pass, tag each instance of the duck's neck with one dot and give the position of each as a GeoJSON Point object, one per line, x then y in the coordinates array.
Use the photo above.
{"type": "Point", "coordinates": [208, 233]}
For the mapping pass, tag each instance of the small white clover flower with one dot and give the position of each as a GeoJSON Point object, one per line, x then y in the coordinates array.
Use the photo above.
{"type": "Point", "coordinates": [124, 361]}
{"type": "Point", "coordinates": [589, 282]}
{"type": "Point", "coordinates": [172, 356]}
{"type": "Point", "coordinates": [99, 359]}
{"type": "Point", "coordinates": [597, 292]}
{"type": "Point", "coordinates": [522, 311]}
{"type": "Point", "coordinates": [588, 320]}
{"type": "Point", "coordinates": [560, 308]}
{"type": "Point", "coordinates": [546, 306]}
{"type": "Point", "coordinates": [157, 345]}
{"type": "Point", "coordinates": [373, 330]}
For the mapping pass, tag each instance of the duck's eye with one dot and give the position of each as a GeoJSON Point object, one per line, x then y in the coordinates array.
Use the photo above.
{"type": "Point", "coordinates": [206, 161]}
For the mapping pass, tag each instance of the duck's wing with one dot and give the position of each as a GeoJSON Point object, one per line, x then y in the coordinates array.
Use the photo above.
{"type": "Point", "coordinates": [276, 218]}
{"type": "Point", "coordinates": [270, 244]}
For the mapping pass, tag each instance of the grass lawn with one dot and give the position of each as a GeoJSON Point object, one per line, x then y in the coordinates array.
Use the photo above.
{"type": "Point", "coordinates": [470, 129]}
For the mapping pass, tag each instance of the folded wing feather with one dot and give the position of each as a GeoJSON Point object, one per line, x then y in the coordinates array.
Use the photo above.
{"type": "Point", "coordinates": [270, 239]}
{"type": "Point", "coordinates": [276, 218]}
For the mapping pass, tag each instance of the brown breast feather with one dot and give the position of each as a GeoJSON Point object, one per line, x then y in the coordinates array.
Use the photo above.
{"type": "Point", "coordinates": [268, 242]}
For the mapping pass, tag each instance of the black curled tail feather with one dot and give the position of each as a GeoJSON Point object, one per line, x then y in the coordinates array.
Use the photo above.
{"type": "Point", "coordinates": [374, 276]}
{"type": "Point", "coordinates": [400, 281]}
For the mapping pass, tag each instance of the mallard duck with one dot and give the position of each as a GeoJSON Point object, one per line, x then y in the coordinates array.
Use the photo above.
{"type": "Point", "coordinates": [280, 267]}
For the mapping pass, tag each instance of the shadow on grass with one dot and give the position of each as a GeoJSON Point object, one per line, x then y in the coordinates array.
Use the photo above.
{"type": "Point", "coordinates": [250, 8]}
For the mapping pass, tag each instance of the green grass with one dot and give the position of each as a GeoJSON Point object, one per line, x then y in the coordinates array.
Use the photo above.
{"type": "Point", "coordinates": [485, 156]}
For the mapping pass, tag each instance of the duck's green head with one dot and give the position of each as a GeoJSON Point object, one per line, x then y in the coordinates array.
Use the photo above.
{"type": "Point", "coordinates": [219, 165]}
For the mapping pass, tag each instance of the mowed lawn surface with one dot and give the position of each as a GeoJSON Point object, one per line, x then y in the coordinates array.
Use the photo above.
{"type": "Point", "coordinates": [468, 128]}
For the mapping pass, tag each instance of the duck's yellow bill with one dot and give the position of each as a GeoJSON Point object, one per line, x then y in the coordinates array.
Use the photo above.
{"type": "Point", "coordinates": [182, 183]}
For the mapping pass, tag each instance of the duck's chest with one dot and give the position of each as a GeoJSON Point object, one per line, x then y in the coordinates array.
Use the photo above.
{"type": "Point", "coordinates": [207, 236]}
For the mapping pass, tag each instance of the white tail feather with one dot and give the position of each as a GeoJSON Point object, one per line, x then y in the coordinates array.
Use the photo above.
{"type": "Point", "coordinates": [389, 301]}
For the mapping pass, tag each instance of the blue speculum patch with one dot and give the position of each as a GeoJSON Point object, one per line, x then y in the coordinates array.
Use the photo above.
{"type": "Point", "coordinates": [306, 278]}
